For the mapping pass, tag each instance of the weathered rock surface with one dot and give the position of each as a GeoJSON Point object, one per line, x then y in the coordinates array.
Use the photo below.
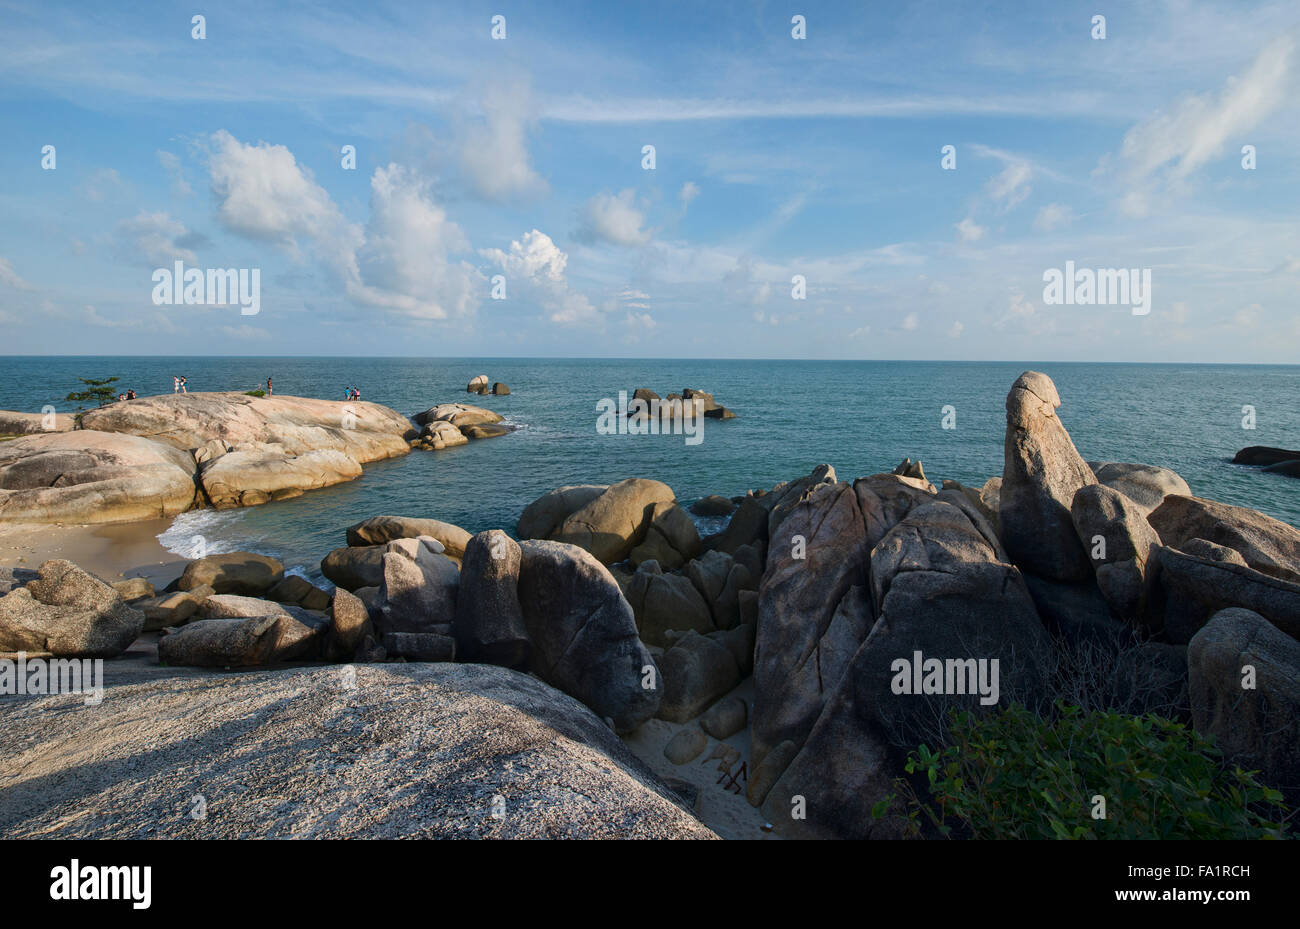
{"type": "Point", "coordinates": [544, 515]}
{"type": "Point", "coordinates": [670, 538]}
{"type": "Point", "coordinates": [442, 434]}
{"type": "Point", "coordinates": [350, 624]}
{"type": "Point", "coordinates": [583, 634]}
{"type": "Point", "coordinates": [1257, 727]}
{"type": "Point", "coordinates": [725, 718]}
{"type": "Point", "coordinates": [364, 431]}
{"type": "Point", "coordinates": [615, 522]}
{"type": "Point", "coordinates": [1145, 485]}
{"type": "Point", "coordinates": [713, 505]}
{"type": "Point", "coordinates": [93, 477]}
{"type": "Point", "coordinates": [1267, 545]}
{"type": "Point", "coordinates": [172, 609]}
{"type": "Point", "coordinates": [1042, 472]}
{"type": "Point", "coordinates": [696, 672]}
{"type": "Point", "coordinates": [244, 573]}
{"type": "Point", "coordinates": [800, 615]}
{"type": "Point", "coordinates": [1198, 587]}
{"type": "Point", "coordinates": [249, 477]}
{"type": "Point", "coordinates": [378, 530]}
{"type": "Point", "coordinates": [459, 415]}
{"type": "Point", "coordinates": [66, 612]}
{"type": "Point", "coordinates": [239, 642]}
{"type": "Point", "coordinates": [489, 624]}
{"type": "Point", "coordinates": [13, 422]}
{"type": "Point", "coordinates": [417, 594]}
{"type": "Point", "coordinates": [1121, 545]}
{"type": "Point", "coordinates": [354, 567]}
{"type": "Point", "coordinates": [315, 752]}
{"type": "Point", "coordinates": [665, 602]}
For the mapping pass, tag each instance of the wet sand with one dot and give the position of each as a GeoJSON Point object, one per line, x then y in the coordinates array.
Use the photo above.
{"type": "Point", "coordinates": [113, 552]}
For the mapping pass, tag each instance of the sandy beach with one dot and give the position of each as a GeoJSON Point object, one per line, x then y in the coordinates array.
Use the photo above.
{"type": "Point", "coordinates": [113, 552]}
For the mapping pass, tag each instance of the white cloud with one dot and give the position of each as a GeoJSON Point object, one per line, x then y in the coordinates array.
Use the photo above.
{"type": "Point", "coordinates": [10, 277]}
{"type": "Point", "coordinates": [690, 190]}
{"type": "Point", "coordinates": [494, 152]}
{"type": "Point", "coordinates": [911, 322]}
{"type": "Point", "coordinates": [1198, 127]}
{"type": "Point", "coordinates": [956, 330]}
{"type": "Point", "coordinates": [640, 321]}
{"type": "Point", "coordinates": [172, 165]}
{"type": "Point", "coordinates": [969, 231]}
{"type": "Point", "coordinates": [613, 218]}
{"type": "Point", "coordinates": [535, 256]}
{"type": "Point", "coordinates": [1011, 186]}
{"type": "Point", "coordinates": [263, 192]}
{"type": "Point", "coordinates": [1053, 216]}
{"type": "Point", "coordinates": [153, 239]}
{"type": "Point", "coordinates": [245, 333]}
{"type": "Point", "coordinates": [404, 263]}
{"type": "Point", "coordinates": [535, 267]}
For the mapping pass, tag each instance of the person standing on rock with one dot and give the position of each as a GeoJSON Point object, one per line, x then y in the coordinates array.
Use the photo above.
{"type": "Point", "coordinates": [184, 381]}
{"type": "Point", "coordinates": [176, 384]}
{"type": "Point", "coordinates": [268, 387]}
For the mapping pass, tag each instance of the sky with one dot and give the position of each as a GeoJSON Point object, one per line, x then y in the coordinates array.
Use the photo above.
{"type": "Point", "coordinates": [500, 201]}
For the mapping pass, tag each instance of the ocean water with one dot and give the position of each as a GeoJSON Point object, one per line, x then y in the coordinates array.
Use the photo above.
{"type": "Point", "coordinates": [862, 417]}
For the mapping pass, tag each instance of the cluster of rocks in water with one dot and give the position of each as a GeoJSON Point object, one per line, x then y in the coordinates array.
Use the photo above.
{"type": "Point", "coordinates": [155, 457]}
{"type": "Point", "coordinates": [646, 403]}
{"type": "Point", "coordinates": [1106, 583]}
{"type": "Point", "coordinates": [479, 385]}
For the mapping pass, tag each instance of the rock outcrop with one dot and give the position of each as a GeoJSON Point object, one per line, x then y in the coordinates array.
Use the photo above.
{"type": "Point", "coordinates": [66, 612]}
{"type": "Point", "coordinates": [610, 524]}
{"type": "Point", "coordinates": [583, 634]}
{"type": "Point", "coordinates": [1245, 691]}
{"type": "Point", "coordinates": [465, 742]}
{"type": "Point", "coordinates": [379, 530]}
{"type": "Point", "coordinates": [89, 476]}
{"type": "Point", "coordinates": [1041, 474]}
{"type": "Point", "coordinates": [489, 625]}
{"type": "Point", "coordinates": [13, 422]}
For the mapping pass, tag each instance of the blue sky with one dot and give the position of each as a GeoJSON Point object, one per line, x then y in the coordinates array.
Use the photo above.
{"type": "Point", "coordinates": [775, 157]}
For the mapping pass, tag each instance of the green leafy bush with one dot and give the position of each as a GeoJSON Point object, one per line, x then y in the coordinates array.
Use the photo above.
{"type": "Point", "coordinates": [1015, 775]}
{"type": "Point", "coordinates": [255, 393]}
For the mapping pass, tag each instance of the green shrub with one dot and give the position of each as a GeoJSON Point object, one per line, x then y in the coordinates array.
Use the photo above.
{"type": "Point", "coordinates": [255, 393]}
{"type": "Point", "coordinates": [1015, 775]}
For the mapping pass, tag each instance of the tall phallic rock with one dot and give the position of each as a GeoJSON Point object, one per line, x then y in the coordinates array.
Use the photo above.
{"type": "Point", "coordinates": [1041, 474]}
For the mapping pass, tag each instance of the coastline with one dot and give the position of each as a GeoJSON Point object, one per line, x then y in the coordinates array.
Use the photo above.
{"type": "Point", "coordinates": [112, 551]}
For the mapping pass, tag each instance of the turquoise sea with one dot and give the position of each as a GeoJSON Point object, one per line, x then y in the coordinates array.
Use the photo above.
{"type": "Point", "coordinates": [861, 416]}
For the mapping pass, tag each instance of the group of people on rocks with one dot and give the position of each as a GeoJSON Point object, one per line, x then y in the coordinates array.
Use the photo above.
{"type": "Point", "coordinates": [179, 382]}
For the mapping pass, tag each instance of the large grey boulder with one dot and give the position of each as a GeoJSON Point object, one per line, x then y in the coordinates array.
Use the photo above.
{"type": "Point", "coordinates": [1121, 545]}
{"type": "Point", "coordinates": [1245, 691]}
{"type": "Point", "coordinates": [1145, 485]}
{"type": "Point", "coordinates": [66, 612]}
{"type": "Point", "coordinates": [87, 476]}
{"type": "Point", "coordinates": [815, 558]}
{"type": "Point", "coordinates": [245, 573]}
{"type": "Point", "coordinates": [670, 538]}
{"type": "Point", "coordinates": [489, 624]}
{"type": "Point", "coordinates": [1267, 545]}
{"type": "Point", "coordinates": [353, 568]}
{"type": "Point", "coordinates": [747, 526]}
{"type": "Point", "coordinates": [696, 671]}
{"type": "Point", "coordinates": [544, 515]}
{"type": "Point", "coordinates": [350, 624]}
{"type": "Point", "coordinates": [240, 642]}
{"type": "Point", "coordinates": [615, 522]}
{"type": "Point", "coordinates": [417, 594]}
{"type": "Point", "coordinates": [719, 578]}
{"type": "Point", "coordinates": [663, 603]}
{"type": "Point", "coordinates": [583, 633]}
{"type": "Point", "coordinates": [379, 530]}
{"type": "Point", "coordinates": [1202, 582]}
{"type": "Point", "coordinates": [1042, 471]}
{"type": "Point", "coordinates": [259, 474]}
{"type": "Point", "coordinates": [370, 751]}
{"type": "Point", "coordinates": [942, 596]}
